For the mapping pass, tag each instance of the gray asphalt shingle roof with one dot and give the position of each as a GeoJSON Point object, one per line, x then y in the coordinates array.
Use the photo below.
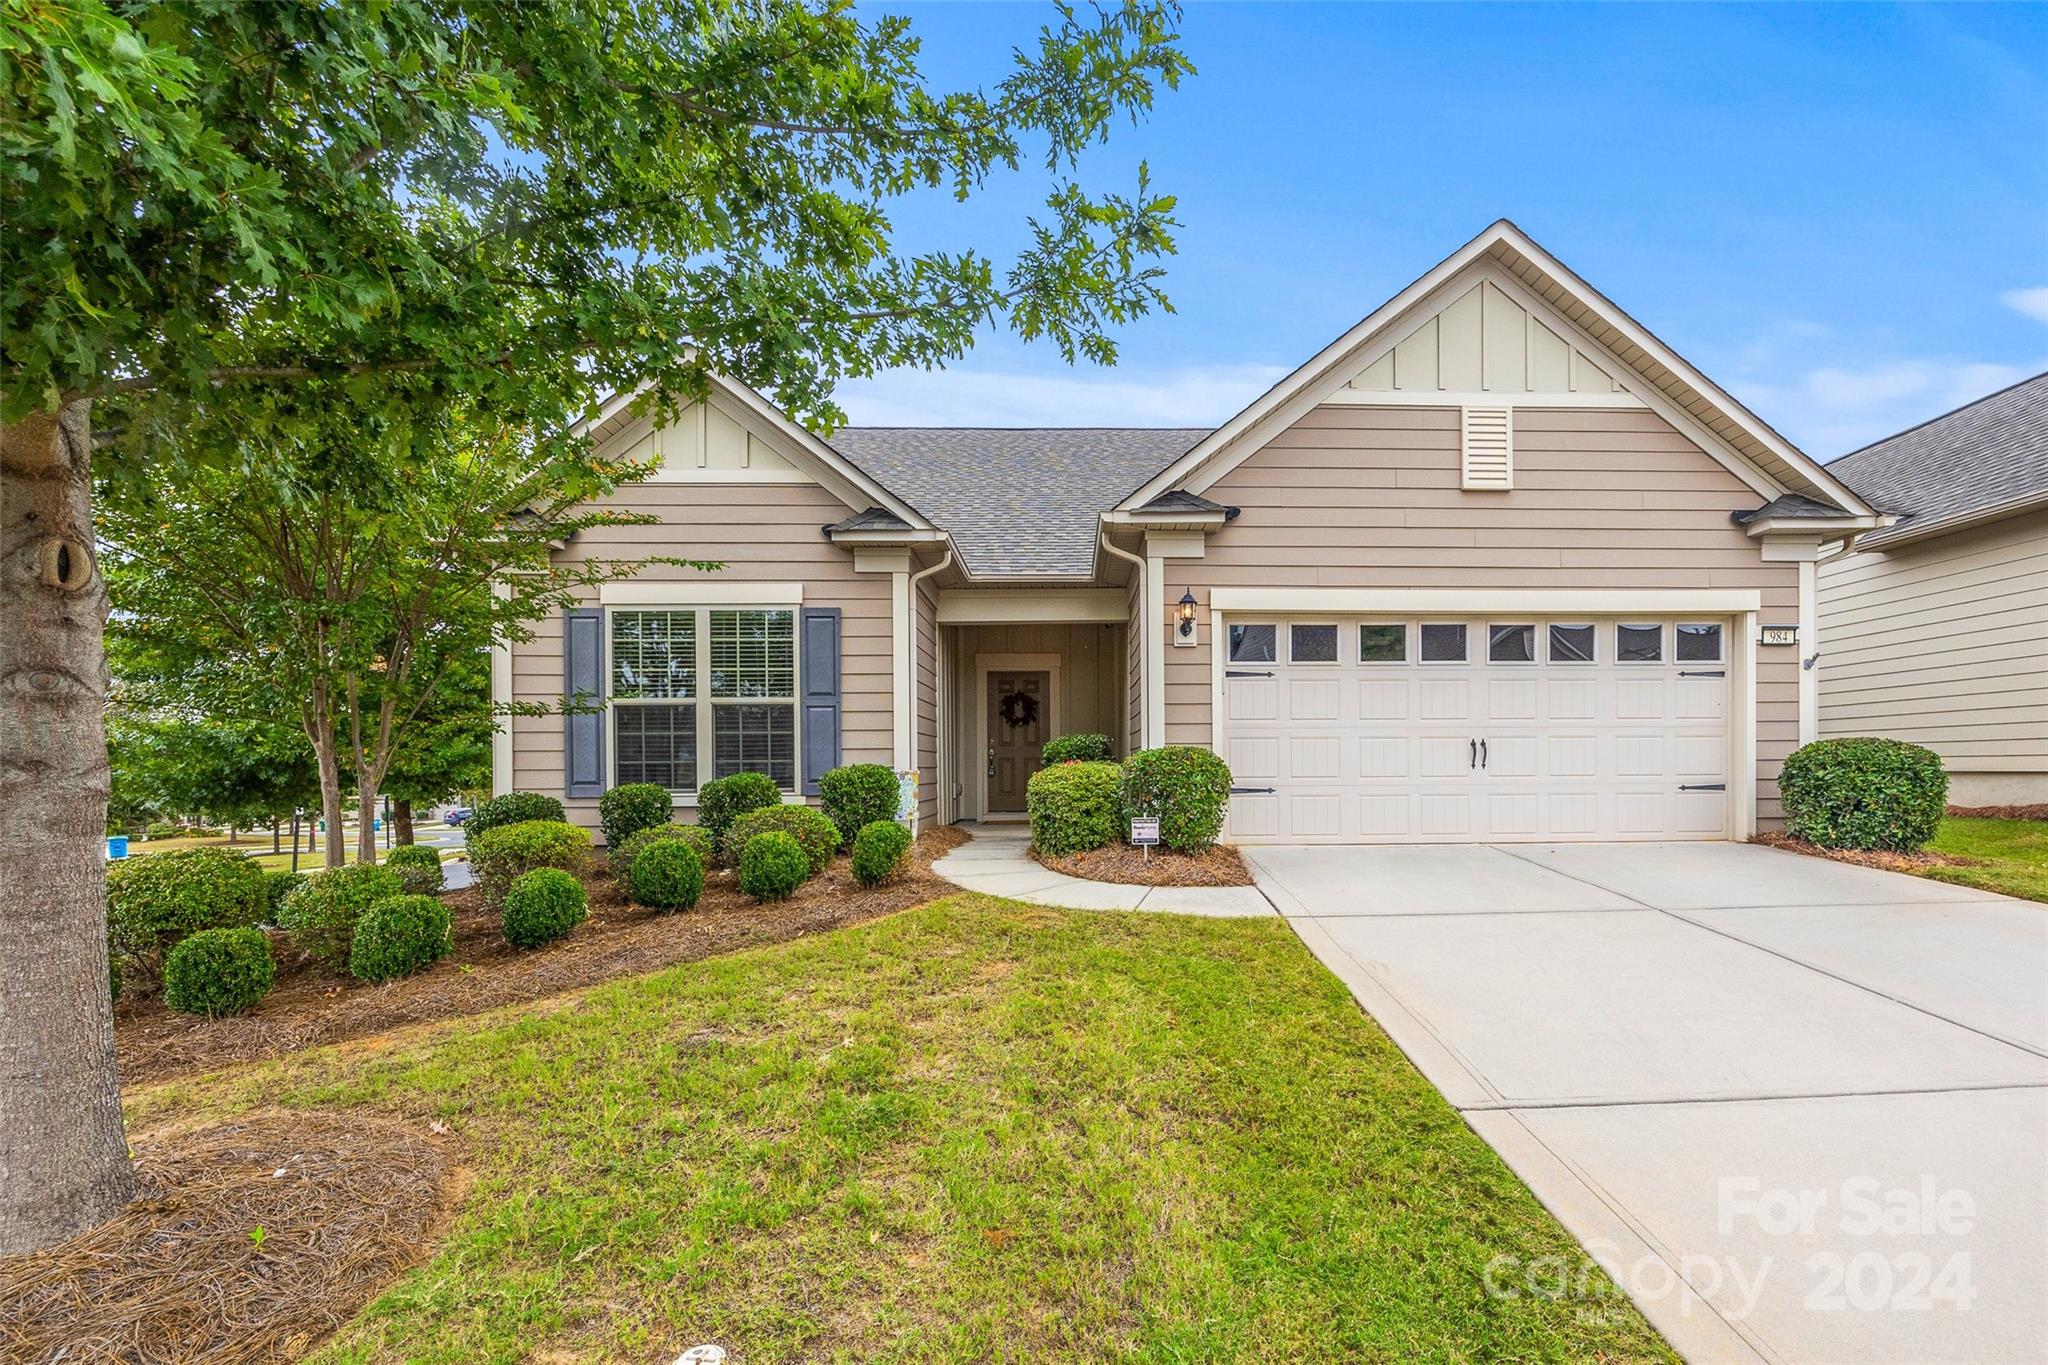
{"type": "Point", "coordinates": [1787, 505]}
{"type": "Point", "coordinates": [1990, 452]}
{"type": "Point", "coordinates": [1016, 500]}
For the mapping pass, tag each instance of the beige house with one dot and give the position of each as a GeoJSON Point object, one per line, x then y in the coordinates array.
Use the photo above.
{"type": "Point", "coordinates": [1494, 565]}
{"type": "Point", "coordinates": [1936, 626]}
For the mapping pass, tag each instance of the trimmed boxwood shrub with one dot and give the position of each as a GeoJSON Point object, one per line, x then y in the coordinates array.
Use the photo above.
{"type": "Point", "coordinates": [620, 859]}
{"type": "Point", "coordinates": [1073, 807]}
{"type": "Point", "coordinates": [626, 810]}
{"type": "Point", "coordinates": [814, 833]}
{"type": "Point", "coordinates": [543, 905]}
{"type": "Point", "coordinates": [721, 802]}
{"type": "Point", "coordinates": [1078, 749]}
{"type": "Point", "coordinates": [276, 886]}
{"type": "Point", "coordinates": [1864, 793]}
{"type": "Point", "coordinates": [219, 971]}
{"type": "Point", "coordinates": [513, 808]}
{"type": "Point", "coordinates": [500, 856]}
{"type": "Point", "coordinates": [878, 851]}
{"type": "Point", "coordinates": [857, 795]}
{"type": "Point", "coordinates": [418, 868]}
{"type": "Point", "coordinates": [398, 937]}
{"type": "Point", "coordinates": [321, 915]}
{"type": "Point", "coordinates": [667, 875]}
{"type": "Point", "coordinates": [772, 866]}
{"type": "Point", "coordinates": [1186, 787]}
{"type": "Point", "coordinates": [157, 899]}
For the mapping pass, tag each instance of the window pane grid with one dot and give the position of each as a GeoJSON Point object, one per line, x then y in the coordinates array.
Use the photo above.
{"type": "Point", "coordinates": [753, 654]}
{"type": "Point", "coordinates": [658, 744]}
{"type": "Point", "coordinates": [654, 654]}
{"type": "Point", "coordinates": [752, 738]}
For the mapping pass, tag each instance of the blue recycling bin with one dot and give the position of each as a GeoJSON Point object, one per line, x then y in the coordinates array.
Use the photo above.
{"type": "Point", "coordinates": [117, 846]}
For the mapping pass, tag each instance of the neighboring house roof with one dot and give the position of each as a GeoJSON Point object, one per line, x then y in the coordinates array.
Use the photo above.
{"type": "Point", "coordinates": [1644, 365]}
{"type": "Point", "coordinates": [1015, 501]}
{"type": "Point", "coordinates": [1984, 459]}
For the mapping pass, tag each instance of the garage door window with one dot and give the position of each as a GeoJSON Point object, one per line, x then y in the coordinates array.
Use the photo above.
{"type": "Point", "coordinates": [1571, 644]}
{"type": "Point", "coordinates": [1252, 644]}
{"type": "Point", "coordinates": [1699, 644]}
{"type": "Point", "coordinates": [1312, 644]}
{"type": "Point", "coordinates": [1511, 644]}
{"type": "Point", "coordinates": [1639, 644]}
{"type": "Point", "coordinates": [1443, 644]}
{"type": "Point", "coordinates": [1383, 644]}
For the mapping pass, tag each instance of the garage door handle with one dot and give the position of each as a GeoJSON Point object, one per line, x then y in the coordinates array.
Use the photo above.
{"type": "Point", "coordinates": [1473, 762]}
{"type": "Point", "coordinates": [1482, 753]}
{"type": "Point", "coordinates": [1251, 791]}
{"type": "Point", "coordinates": [1245, 673]}
{"type": "Point", "coordinates": [1704, 787]}
{"type": "Point", "coordinates": [1704, 673]}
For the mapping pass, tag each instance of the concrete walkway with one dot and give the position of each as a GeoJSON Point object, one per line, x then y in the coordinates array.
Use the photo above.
{"type": "Point", "coordinates": [998, 863]}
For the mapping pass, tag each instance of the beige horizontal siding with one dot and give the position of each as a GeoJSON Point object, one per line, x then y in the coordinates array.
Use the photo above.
{"type": "Point", "coordinates": [926, 608]}
{"type": "Point", "coordinates": [1943, 643]}
{"type": "Point", "coordinates": [760, 533]}
{"type": "Point", "coordinates": [1369, 497]}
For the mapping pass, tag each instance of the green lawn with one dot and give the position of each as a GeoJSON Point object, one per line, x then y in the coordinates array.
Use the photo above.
{"type": "Point", "coordinates": [2015, 854]}
{"type": "Point", "coordinates": [973, 1131]}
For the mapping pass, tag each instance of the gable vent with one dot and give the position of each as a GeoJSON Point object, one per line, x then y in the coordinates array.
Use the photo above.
{"type": "Point", "coordinates": [1489, 448]}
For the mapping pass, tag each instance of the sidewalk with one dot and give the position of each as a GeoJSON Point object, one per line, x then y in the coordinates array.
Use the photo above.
{"type": "Point", "coordinates": [997, 862]}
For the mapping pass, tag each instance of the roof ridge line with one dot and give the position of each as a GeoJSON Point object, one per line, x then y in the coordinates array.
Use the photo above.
{"type": "Point", "coordinates": [1938, 417]}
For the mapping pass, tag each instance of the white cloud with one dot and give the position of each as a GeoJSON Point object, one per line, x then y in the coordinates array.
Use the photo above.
{"type": "Point", "coordinates": [2032, 302]}
{"type": "Point", "coordinates": [1833, 409]}
{"type": "Point", "coordinates": [1191, 396]}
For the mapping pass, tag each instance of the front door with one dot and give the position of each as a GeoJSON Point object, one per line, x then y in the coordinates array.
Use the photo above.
{"type": "Point", "coordinates": [1019, 723]}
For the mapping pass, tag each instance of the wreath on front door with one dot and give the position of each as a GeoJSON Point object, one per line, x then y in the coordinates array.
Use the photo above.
{"type": "Point", "coordinates": [1019, 709]}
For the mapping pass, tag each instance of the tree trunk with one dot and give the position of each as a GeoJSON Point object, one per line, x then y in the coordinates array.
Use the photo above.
{"type": "Point", "coordinates": [401, 822]}
{"type": "Point", "coordinates": [63, 1158]}
{"type": "Point", "coordinates": [366, 822]}
{"type": "Point", "coordinates": [321, 733]}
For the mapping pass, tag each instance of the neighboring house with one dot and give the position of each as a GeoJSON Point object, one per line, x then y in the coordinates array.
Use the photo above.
{"type": "Point", "coordinates": [1492, 566]}
{"type": "Point", "coordinates": [1935, 628]}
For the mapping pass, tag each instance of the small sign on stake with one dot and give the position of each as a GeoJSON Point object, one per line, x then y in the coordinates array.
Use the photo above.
{"type": "Point", "coordinates": [1145, 833]}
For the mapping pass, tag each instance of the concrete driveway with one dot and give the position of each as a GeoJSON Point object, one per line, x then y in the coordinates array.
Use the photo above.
{"type": "Point", "coordinates": [1798, 1108]}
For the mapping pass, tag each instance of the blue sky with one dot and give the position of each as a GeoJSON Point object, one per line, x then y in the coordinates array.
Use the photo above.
{"type": "Point", "coordinates": [1839, 213]}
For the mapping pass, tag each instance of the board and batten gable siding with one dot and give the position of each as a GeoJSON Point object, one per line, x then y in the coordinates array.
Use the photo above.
{"type": "Point", "coordinates": [1369, 496]}
{"type": "Point", "coordinates": [1945, 643]}
{"type": "Point", "coordinates": [761, 533]}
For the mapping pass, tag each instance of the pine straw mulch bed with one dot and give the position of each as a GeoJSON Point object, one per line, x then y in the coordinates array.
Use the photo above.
{"type": "Point", "coordinates": [311, 1006]}
{"type": "Point", "coordinates": [345, 1204]}
{"type": "Point", "coordinates": [1219, 865]}
{"type": "Point", "coordinates": [1878, 858]}
{"type": "Point", "coordinates": [2034, 812]}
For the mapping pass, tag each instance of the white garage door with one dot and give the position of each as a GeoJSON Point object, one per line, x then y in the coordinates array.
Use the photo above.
{"type": "Point", "coordinates": [1376, 729]}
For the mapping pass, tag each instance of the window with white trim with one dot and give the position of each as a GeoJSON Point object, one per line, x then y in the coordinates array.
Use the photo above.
{"type": "Point", "coordinates": [688, 683]}
{"type": "Point", "coordinates": [1698, 643]}
{"type": "Point", "coordinates": [1253, 644]}
{"type": "Point", "coordinates": [1642, 644]}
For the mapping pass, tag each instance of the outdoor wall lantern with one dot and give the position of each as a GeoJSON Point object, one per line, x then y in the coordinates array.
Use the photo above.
{"type": "Point", "coordinates": [1187, 614]}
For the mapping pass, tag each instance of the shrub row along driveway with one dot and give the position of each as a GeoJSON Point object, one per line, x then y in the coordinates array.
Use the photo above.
{"type": "Point", "coordinates": [1691, 1051]}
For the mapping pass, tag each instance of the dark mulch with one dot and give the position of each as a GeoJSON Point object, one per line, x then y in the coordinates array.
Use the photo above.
{"type": "Point", "coordinates": [247, 1241]}
{"type": "Point", "coordinates": [2035, 812]}
{"type": "Point", "coordinates": [311, 1006]}
{"type": "Point", "coordinates": [1217, 866]}
{"type": "Point", "coordinates": [1889, 862]}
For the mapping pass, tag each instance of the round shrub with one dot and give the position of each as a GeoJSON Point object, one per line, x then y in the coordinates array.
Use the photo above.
{"type": "Point", "coordinates": [398, 937]}
{"type": "Point", "coordinates": [668, 875]}
{"type": "Point", "coordinates": [772, 866]}
{"type": "Point", "coordinates": [513, 808]}
{"type": "Point", "coordinates": [219, 971]}
{"type": "Point", "coordinates": [542, 905]}
{"type": "Point", "coordinates": [721, 802]}
{"type": "Point", "coordinates": [276, 886]}
{"type": "Point", "coordinates": [321, 915]}
{"type": "Point", "coordinates": [159, 898]}
{"type": "Point", "coordinates": [622, 856]}
{"type": "Point", "coordinates": [1078, 749]}
{"type": "Point", "coordinates": [418, 868]}
{"type": "Point", "coordinates": [1864, 793]}
{"type": "Point", "coordinates": [1074, 807]}
{"type": "Point", "coordinates": [1186, 787]}
{"type": "Point", "coordinates": [857, 795]}
{"type": "Point", "coordinates": [814, 833]}
{"type": "Point", "coordinates": [499, 856]}
{"type": "Point", "coordinates": [878, 851]}
{"type": "Point", "coordinates": [626, 810]}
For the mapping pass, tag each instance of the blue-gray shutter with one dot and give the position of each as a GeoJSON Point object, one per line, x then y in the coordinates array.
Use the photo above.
{"type": "Point", "coordinates": [582, 683]}
{"type": "Point", "coordinates": [819, 658]}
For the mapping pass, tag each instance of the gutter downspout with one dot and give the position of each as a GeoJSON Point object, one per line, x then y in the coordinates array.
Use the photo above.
{"type": "Point", "coordinates": [1145, 680]}
{"type": "Point", "coordinates": [938, 698]}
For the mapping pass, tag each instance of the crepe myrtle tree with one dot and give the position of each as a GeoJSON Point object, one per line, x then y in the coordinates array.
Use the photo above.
{"type": "Point", "coordinates": [520, 205]}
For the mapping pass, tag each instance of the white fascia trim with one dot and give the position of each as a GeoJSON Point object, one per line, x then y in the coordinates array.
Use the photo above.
{"type": "Point", "coordinates": [918, 537]}
{"type": "Point", "coordinates": [1815, 526]}
{"type": "Point", "coordinates": [1447, 398]}
{"type": "Point", "coordinates": [1166, 521]}
{"type": "Point", "coordinates": [1025, 606]}
{"type": "Point", "coordinates": [1519, 601]}
{"type": "Point", "coordinates": [708, 592]}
